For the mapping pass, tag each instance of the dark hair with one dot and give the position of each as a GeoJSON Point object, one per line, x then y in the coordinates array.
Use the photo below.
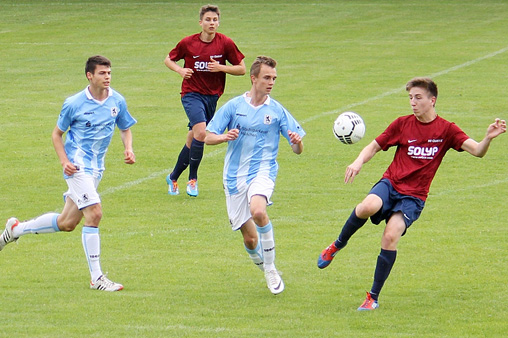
{"type": "Point", "coordinates": [261, 60]}
{"type": "Point", "coordinates": [208, 8]}
{"type": "Point", "coordinates": [93, 61]}
{"type": "Point", "coordinates": [425, 83]}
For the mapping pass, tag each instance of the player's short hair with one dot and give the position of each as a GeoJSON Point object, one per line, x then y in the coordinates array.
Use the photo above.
{"type": "Point", "coordinates": [93, 61]}
{"type": "Point", "coordinates": [208, 8]}
{"type": "Point", "coordinates": [261, 60]}
{"type": "Point", "coordinates": [425, 83]}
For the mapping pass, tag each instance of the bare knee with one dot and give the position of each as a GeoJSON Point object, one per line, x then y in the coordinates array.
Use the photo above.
{"type": "Point", "coordinates": [200, 135]}
{"type": "Point", "coordinates": [93, 218]}
{"type": "Point", "coordinates": [365, 210]}
{"type": "Point", "coordinates": [259, 216]}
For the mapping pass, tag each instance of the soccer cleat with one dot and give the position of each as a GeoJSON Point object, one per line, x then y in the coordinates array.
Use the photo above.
{"type": "Point", "coordinates": [274, 282]}
{"type": "Point", "coordinates": [7, 236]}
{"type": "Point", "coordinates": [369, 304]}
{"type": "Point", "coordinates": [172, 186]}
{"type": "Point", "coordinates": [104, 284]}
{"type": "Point", "coordinates": [192, 188]}
{"type": "Point", "coordinates": [327, 255]}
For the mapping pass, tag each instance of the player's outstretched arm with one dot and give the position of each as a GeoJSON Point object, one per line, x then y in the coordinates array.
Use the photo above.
{"type": "Point", "coordinates": [479, 149]}
{"type": "Point", "coordinates": [213, 139]}
{"type": "Point", "coordinates": [365, 155]}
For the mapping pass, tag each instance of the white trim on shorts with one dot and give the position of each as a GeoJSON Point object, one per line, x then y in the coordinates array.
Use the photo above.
{"type": "Point", "coordinates": [238, 205]}
{"type": "Point", "coordinates": [82, 190]}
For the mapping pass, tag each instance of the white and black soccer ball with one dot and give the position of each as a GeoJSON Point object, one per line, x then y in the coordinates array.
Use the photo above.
{"type": "Point", "coordinates": [349, 127]}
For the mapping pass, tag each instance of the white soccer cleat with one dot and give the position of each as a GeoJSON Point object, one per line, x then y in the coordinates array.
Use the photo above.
{"type": "Point", "coordinates": [104, 284]}
{"type": "Point", "coordinates": [7, 236]}
{"type": "Point", "coordinates": [274, 282]}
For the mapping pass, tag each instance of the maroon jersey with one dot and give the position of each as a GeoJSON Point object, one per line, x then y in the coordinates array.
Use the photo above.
{"type": "Point", "coordinates": [196, 55]}
{"type": "Point", "coordinates": [420, 150]}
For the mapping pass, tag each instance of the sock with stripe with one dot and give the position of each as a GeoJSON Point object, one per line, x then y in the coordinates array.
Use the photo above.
{"type": "Point", "coordinates": [92, 246]}
{"type": "Point", "coordinates": [256, 255]}
{"type": "Point", "coordinates": [268, 245]}
{"type": "Point", "coordinates": [43, 224]}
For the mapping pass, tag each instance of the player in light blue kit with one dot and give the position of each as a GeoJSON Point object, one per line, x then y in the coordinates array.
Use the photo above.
{"type": "Point", "coordinates": [254, 122]}
{"type": "Point", "coordinates": [89, 117]}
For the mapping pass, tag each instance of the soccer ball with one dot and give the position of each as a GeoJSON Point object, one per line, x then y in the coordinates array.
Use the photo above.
{"type": "Point", "coordinates": [349, 127]}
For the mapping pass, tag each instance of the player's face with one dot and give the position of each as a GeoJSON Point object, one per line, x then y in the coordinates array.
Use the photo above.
{"type": "Point", "coordinates": [265, 80]}
{"type": "Point", "coordinates": [210, 22]}
{"type": "Point", "coordinates": [422, 102]}
{"type": "Point", "coordinates": [101, 78]}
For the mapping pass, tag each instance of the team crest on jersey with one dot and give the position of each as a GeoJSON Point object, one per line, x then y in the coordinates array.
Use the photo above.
{"type": "Point", "coordinates": [268, 119]}
{"type": "Point", "coordinates": [114, 111]}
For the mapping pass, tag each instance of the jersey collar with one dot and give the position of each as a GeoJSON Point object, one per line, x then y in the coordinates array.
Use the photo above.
{"type": "Point", "coordinates": [248, 99]}
{"type": "Point", "coordinates": [90, 97]}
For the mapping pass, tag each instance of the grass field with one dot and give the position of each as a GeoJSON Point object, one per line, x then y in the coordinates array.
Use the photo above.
{"type": "Point", "coordinates": [185, 272]}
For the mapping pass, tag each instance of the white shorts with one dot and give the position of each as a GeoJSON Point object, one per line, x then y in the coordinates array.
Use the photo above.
{"type": "Point", "coordinates": [238, 205]}
{"type": "Point", "coordinates": [83, 190]}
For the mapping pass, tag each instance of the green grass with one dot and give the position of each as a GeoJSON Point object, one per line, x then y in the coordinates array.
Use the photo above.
{"type": "Point", "coordinates": [185, 272]}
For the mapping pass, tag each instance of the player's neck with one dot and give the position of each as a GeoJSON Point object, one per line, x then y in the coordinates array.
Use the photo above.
{"type": "Point", "coordinates": [427, 117]}
{"type": "Point", "coordinates": [256, 98]}
{"type": "Point", "coordinates": [100, 94]}
{"type": "Point", "coordinates": [206, 37]}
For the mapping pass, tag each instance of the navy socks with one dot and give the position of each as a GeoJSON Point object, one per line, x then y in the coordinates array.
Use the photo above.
{"type": "Point", "coordinates": [384, 265]}
{"type": "Point", "coordinates": [181, 164]}
{"type": "Point", "coordinates": [196, 154]}
{"type": "Point", "coordinates": [352, 224]}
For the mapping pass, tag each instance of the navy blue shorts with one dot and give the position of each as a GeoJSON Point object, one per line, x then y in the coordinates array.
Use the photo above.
{"type": "Point", "coordinates": [411, 207]}
{"type": "Point", "coordinates": [199, 108]}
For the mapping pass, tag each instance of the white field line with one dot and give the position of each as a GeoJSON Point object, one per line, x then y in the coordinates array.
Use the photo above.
{"type": "Point", "coordinates": [319, 115]}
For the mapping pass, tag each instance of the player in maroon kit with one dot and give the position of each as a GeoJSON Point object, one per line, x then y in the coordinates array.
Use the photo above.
{"type": "Point", "coordinates": [422, 139]}
{"type": "Point", "coordinates": [204, 78]}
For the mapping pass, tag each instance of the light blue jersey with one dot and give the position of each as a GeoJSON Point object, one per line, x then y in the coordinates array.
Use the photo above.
{"type": "Point", "coordinates": [90, 126]}
{"type": "Point", "coordinates": [255, 150]}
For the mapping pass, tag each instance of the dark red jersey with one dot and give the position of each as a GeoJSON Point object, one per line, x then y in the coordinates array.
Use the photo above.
{"type": "Point", "coordinates": [420, 150]}
{"type": "Point", "coordinates": [197, 54]}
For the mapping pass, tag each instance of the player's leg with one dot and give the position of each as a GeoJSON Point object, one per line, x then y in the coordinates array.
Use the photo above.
{"type": "Point", "coordinates": [252, 243]}
{"type": "Point", "coordinates": [367, 208]}
{"type": "Point", "coordinates": [240, 218]}
{"type": "Point", "coordinates": [91, 241]}
{"type": "Point", "coordinates": [395, 228]}
{"type": "Point", "coordinates": [264, 227]}
{"type": "Point", "coordinates": [181, 164]}
{"type": "Point", "coordinates": [196, 155]}
{"type": "Point", "coordinates": [46, 223]}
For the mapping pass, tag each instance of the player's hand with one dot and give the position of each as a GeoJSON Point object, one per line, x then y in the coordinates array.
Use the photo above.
{"type": "Point", "coordinates": [186, 73]}
{"type": "Point", "coordinates": [232, 135]}
{"type": "Point", "coordinates": [69, 168]}
{"type": "Point", "coordinates": [496, 128]}
{"type": "Point", "coordinates": [351, 171]}
{"type": "Point", "coordinates": [294, 137]}
{"type": "Point", "coordinates": [129, 158]}
{"type": "Point", "coordinates": [214, 66]}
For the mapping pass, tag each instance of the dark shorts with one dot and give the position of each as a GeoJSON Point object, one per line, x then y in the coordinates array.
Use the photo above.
{"type": "Point", "coordinates": [199, 108]}
{"type": "Point", "coordinates": [411, 207]}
